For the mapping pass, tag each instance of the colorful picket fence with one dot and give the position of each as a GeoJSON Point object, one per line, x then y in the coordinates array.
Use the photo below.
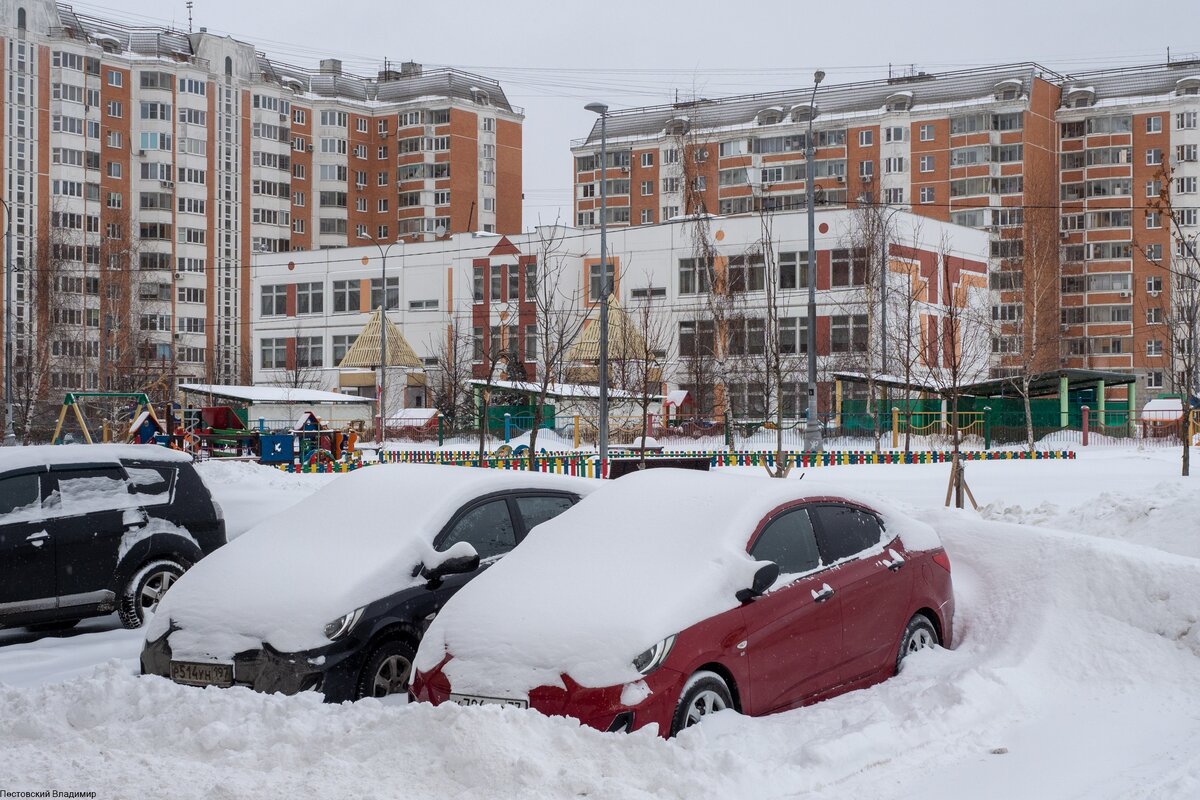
{"type": "Point", "coordinates": [586, 465]}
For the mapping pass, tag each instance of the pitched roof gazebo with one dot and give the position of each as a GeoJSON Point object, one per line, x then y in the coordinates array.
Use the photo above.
{"type": "Point", "coordinates": [625, 343]}
{"type": "Point", "coordinates": [364, 353]}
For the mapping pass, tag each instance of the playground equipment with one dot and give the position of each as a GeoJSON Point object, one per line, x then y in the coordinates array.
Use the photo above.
{"type": "Point", "coordinates": [319, 445]}
{"type": "Point", "coordinates": [145, 423]}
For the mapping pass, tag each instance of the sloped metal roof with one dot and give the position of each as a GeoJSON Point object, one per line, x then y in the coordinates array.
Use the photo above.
{"type": "Point", "coordinates": [925, 89]}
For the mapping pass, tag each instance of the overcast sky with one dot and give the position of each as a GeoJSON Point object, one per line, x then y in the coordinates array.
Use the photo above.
{"type": "Point", "coordinates": [553, 58]}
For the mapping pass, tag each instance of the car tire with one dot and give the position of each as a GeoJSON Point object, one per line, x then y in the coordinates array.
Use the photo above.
{"type": "Point", "coordinates": [919, 634]}
{"type": "Point", "coordinates": [705, 693]}
{"type": "Point", "coordinates": [145, 589]}
{"type": "Point", "coordinates": [387, 670]}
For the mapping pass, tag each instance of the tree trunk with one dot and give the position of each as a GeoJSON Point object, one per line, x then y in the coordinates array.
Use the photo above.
{"type": "Point", "coordinates": [533, 432]}
{"type": "Point", "coordinates": [483, 420]}
{"type": "Point", "coordinates": [1028, 404]}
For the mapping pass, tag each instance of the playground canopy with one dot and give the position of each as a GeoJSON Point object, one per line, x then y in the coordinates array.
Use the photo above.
{"type": "Point", "coordinates": [1043, 384]}
{"type": "Point", "coordinates": [283, 402]}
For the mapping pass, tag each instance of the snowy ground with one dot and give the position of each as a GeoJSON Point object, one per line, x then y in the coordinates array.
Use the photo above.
{"type": "Point", "coordinates": [1077, 675]}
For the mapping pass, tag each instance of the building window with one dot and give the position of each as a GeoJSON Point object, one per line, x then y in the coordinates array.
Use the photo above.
{"type": "Point", "coordinates": [273, 353]}
{"type": "Point", "coordinates": [1154, 348]}
{"type": "Point", "coordinates": [310, 352]}
{"type": "Point", "coordinates": [597, 284]}
{"type": "Point", "coordinates": [310, 298]}
{"type": "Point", "coordinates": [1154, 380]}
{"type": "Point", "coordinates": [647, 188]}
{"type": "Point", "coordinates": [531, 343]}
{"type": "Point", "coordinates": [848, 267]}
{"type": "Point", "coordinates": [274, 300]}
{"type": "Point", "coordinates": [345, 297]}
{"type": "Point", "coordinates": [1153, 124]}
{"type": "Point", "coordinates": [848, 333]}
{"type": "Point", "coordinates": [866, 138]}
{"type": "Point", "coordinates": [696, 338]}
{"type": "Point", "coordinates": [647, 216]}
{"type": "Point", "coordinates": [926, 163]}
{"type": "Point", "coordinates": [393, 293]}
{"type": "Point", "coordinates": [747, 273]}
{"type": "Point", "coordinates": [694, 275]}
{"type": "Point", "coordinates": [927, 194]}
{"type": "Point", "coordinates": [341, 345]}
{"type": "Point", "coordinates": [893, 196]}
{"type": "Point", "coordinates": [926, 133]}
{"type": "Point", "coordinates": [793, 270]}
{"type": "Point", "coordinates": [647, 159]}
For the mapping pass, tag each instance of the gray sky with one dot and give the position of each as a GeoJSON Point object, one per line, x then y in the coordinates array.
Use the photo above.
{"type": "Point", "coordinates": [547, 56]}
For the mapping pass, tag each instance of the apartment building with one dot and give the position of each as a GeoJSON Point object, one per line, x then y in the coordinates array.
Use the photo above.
{"type": "Point", "coordinates": [309, 307]}
{"type": "Point", "coordinates": [1019, 151]}
{"type": "Point", "coordinates": [146, 169]}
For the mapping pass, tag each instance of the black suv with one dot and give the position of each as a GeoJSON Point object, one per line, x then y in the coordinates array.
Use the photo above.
{"type": "Point", "coordinates": [89, 529]}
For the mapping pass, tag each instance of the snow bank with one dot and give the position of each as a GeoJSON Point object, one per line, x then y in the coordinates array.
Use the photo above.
{"type": "Point", "coordinates": [649, 555]}
{"type": "Point", "coordinates": [354, 542]}
{"type": "Point", "coordinates": [1167, 514]}
{"type": "Point", "coordinates": [1077, 675]}
{"type": "Point", "coordinates": [249, 493]}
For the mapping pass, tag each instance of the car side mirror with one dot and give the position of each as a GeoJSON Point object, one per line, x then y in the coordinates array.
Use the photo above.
{"type": "Point", "coordinates": [763, 580]}
{"type": "Point", "coordinates": [458, 559]}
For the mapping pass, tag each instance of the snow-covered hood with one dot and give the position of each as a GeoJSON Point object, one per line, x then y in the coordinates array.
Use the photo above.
{"type": "Point", "coordinates": [651, 555]}
{"type": "Point", "coordinates": [353, 542]}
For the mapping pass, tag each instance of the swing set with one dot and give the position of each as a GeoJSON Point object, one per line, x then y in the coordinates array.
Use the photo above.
{"type": "Point", "coordinates": [72, 401]}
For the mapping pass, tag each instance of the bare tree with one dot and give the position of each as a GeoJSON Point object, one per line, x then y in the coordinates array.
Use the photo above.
{"type": "Point", "coordinates": [637, 359]}
{"type": "Point", "coordinates": [558, 318]}
{"type": "Point", "coordinates": [908, 297]}
{"type": "Point", "coordinates": [450, 380]}
{"type": "Point", "coordinates": [1181, 266]}
{"type": "Point", "coordinates": [962, 346]}
{"type": "Point", "coordinates": [1026, 317]}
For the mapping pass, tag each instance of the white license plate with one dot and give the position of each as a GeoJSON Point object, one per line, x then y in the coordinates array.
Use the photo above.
{"type": "Point", "coordinates": [200, 674]}
{"type": "Point", "coordinates": [477, 700]}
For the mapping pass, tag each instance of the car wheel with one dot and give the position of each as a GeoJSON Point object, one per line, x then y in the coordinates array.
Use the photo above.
{"type": "Point", "coordinates": [52, 627]}
{"type": "Point", "coordinates": [918, 634]}
{"type": "Point", "coordinates": [386, 671]}
{"type": "Point", "coordinates": [145, 589]}
{"type": "Point", "coordinates": [705, 693]}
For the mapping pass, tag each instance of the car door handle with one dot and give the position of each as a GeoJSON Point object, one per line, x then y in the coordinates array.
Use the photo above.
{"type": "Point", "coordinates": [37, 539]}
{"type": "Point", "coordinates": [822, 594]}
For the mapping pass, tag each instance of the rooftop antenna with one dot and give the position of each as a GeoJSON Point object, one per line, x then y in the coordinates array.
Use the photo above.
{"type": "Point", "coordinates": [189, 9]}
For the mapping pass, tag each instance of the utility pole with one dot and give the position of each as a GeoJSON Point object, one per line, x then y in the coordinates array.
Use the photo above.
{"type": "Point", "coordinates": [10, 438]}
{"type": "Point", "coordinates": [605, 287]}
{"type": "Point", "coordinates": [812, 428]}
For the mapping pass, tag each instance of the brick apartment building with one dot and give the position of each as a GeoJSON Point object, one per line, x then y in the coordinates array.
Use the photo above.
{"type": "Point", "coordinates": [1066, 163]}
{"type": "Point", "coordinates": [146, 168]}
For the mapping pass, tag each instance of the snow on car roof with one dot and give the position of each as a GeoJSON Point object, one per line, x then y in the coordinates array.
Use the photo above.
{"type": "Point", "coordinates": [650, 555]}
{"type": "Point", "coordinates": [12, 458]}
{"type": "Point", "coordinates": [353, 542]}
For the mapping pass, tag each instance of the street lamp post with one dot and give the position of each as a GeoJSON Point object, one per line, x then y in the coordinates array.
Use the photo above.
{"type": "Point", "coordinates": [383, 254]}
{"type": "Point", "coordinates": [812, 427]}
{"type": "Point", "coordinates": [605, 287]}
{"type": "Point", "coordinates": [10, 438]}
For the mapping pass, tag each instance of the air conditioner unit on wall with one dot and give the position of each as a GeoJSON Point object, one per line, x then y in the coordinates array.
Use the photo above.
{"type": "Point", "coordinates": [1126, 294]}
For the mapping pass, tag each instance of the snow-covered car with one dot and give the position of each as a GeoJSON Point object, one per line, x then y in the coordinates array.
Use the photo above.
{"type": "Point", "coordinates": [334, 594]}
{"type": "Point", "coordinates": [674, 594]}
{"type": "Point", "coordinates": [89, 529]}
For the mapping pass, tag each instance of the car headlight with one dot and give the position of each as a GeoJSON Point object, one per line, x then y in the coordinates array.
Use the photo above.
{"type": "Point", "coordinates": [653, 657]}
{"type": "Point", "coordinates": [342, 625]}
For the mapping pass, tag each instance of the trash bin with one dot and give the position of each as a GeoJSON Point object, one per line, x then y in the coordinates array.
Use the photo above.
{"type": "Point", "coordinates": [619, 467]}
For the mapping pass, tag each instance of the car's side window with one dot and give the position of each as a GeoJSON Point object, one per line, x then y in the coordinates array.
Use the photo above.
{"type": "Point", "coordinates": [151, 485]}
{"type": "Point", "coordinates": [846, 532]}
{"type": "Point", "coordinates": [83, 491]}
{"type": "Point", "coordinates": [488, 528]}
{"type": "Point", "coordinates": [536, 510]}
{"type": "Point", "coordinates": [19, 497]}
{"type": "Point", "coordinates": [789, 541]}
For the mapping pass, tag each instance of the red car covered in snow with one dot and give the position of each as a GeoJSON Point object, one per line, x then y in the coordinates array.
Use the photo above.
{"type": "Point", "coordinates": [671, 595]}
